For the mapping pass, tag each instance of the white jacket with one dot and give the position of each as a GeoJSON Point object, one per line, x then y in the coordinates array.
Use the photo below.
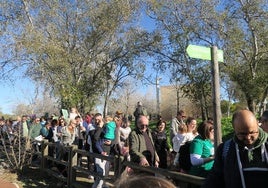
{"type": "Point", "coordinates": [180, 139]}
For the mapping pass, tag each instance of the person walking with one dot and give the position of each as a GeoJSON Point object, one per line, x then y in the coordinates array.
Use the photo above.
{"type": "Point", "coordinates": [176, 122]}
{"type": "Point", "coordinates": [179, 140]}
{"type": "Point", "coordinates": [202, 150]}
{"type": "Point", "coordinates": [140, 110]}
{"type": "Point", "coordinates": [101, 166]}
{"type": "Point", "coordinates": [142, 150]}
{"type": "Point", "coordinates": [161, 145]}
{"type": "Point", "coordinates": [68, 135]}
{"type": "Point", "coordinates": [241, 161]}
{"type": "Point", "coordinates": [174, 129]}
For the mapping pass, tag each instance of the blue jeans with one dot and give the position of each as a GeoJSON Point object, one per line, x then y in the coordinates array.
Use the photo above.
{"type": "Point", "coordinates": [102, 168]}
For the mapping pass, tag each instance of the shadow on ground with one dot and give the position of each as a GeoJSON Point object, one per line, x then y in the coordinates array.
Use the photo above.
{"type": "Point", "coordinates": [32, 177]}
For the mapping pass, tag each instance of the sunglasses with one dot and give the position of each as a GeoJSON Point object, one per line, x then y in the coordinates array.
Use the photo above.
{"type": "Point", "coordinates": [143, 125]}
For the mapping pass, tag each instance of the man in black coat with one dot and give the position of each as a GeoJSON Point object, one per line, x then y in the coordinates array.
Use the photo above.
{"type": "Point", "coordinates": [243, 160]}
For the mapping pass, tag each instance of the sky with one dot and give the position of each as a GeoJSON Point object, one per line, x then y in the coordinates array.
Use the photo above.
{"type": "Point", "coordinates": [12, 94]}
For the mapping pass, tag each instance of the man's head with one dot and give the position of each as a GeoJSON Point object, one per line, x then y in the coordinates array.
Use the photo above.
{"type": "Point", "coordinates": [98, 118]}
{"type": "Point", "coordinates": [264, 121]}
{"type": "Point", "coordinates": [78, 120]}
{"type": "Point", "coordinates": [37, 120]}
{"type": "Point", "coordinates": [54, 122]}
{"type": "Point", "coordinates": [2, 121]}
{"type": "Point", "coordinates": [181, 115]}
{"type": "Point", "coordinates": [143, 123]}
{"type": "Point", "coordinates": [24, 118]}
{"type": "Point", "coordinates": [245, 126]}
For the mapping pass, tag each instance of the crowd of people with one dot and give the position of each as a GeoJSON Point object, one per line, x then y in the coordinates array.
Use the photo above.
{"type": "Point", "coordinates": [247, 151]}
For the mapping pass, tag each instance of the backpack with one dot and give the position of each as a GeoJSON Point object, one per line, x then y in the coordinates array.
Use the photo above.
{"type": "Point", "coordinates": [226, 146]}
{"type": "Point", "coordinates": [184, 156]}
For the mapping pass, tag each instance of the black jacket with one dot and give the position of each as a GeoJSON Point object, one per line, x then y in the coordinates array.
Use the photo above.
{"type": "Point", "coordinates": [226, 173]}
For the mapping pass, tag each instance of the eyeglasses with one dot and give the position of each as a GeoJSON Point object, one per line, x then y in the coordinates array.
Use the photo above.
{"type": "Point", "coordinates": [144, 125]}
{"type": "Point", "coordinates": [241, 134]}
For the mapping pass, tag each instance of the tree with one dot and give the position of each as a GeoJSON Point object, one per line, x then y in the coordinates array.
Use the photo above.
{"type": "Point", "coordinates": [178, 29]}
{"type": "Point", "coordinates": [246, 59]}
{"type": "Point", "coordinates": [80, 50]}
{"type": "Point", "coordinates": [222, 24]}
{"type": "Point", "coordinates": [123, 99]}
{"type": "Point", "coordinates": [11, 18]}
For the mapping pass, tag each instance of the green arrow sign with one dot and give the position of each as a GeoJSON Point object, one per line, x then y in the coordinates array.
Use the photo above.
{"type": "Point", "coordinates": [201, 52]}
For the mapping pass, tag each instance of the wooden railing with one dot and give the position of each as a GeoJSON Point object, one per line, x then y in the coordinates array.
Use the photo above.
{"type": "Point", "coordinates": [184, 180]}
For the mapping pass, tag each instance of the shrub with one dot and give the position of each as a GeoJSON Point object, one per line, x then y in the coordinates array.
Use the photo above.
{"type": "Point", "coordinates": [17, 152]}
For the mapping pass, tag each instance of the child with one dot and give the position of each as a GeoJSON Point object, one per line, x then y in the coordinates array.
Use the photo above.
{"type": "Point", "coordinates": [124, 132]}
{"type": "Point", "coordinates": [179, 139]}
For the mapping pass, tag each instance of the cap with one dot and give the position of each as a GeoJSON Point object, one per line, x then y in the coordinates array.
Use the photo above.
{"type": "Point", "coordinates": [118, 112]}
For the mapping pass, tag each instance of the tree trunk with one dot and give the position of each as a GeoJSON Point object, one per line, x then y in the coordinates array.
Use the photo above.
{"type": "Point", "coordinates": [251, 105]}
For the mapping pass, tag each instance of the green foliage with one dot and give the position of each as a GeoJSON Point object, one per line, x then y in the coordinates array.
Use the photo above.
{"type": "Point", "coordinates": [219, 23]}
{"type": "Point", "coordinates": [226, 128]}
{"type": "Point", "coordinates": [244, 57]}
{"type": "Point", "coordinates": [224, 106]}
{"type": "Point", "coordinates": [83, 50]}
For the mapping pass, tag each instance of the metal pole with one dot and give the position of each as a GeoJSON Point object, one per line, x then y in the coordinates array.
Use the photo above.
{"type": "Point", "coordinates": [216, 96]}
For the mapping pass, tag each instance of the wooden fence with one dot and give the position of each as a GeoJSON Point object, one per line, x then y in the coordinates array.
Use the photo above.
{"type": "Point", "coordinates": [71, 164]}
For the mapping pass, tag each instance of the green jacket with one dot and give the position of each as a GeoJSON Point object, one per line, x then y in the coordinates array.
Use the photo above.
{"type": "Point", "coordinates": [35, 130]}
{"type": "Point", "coordinates": [137, 146]}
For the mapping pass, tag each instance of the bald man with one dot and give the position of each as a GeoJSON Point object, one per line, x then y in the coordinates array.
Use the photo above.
{"type": "Point", "coordinates": [243, 160]}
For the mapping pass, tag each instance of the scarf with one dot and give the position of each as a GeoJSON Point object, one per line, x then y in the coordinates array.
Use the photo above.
{"type": "Point", "coordinates": [262, 138]}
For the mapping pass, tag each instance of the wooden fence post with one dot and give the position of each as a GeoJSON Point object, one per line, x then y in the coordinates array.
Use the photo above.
{"type": "Point", "coordinates": [118, 160]}
{"type": "Point", "coordinates": [44, 154]}
{"type": "Point", "coordinates": [72, 161]}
